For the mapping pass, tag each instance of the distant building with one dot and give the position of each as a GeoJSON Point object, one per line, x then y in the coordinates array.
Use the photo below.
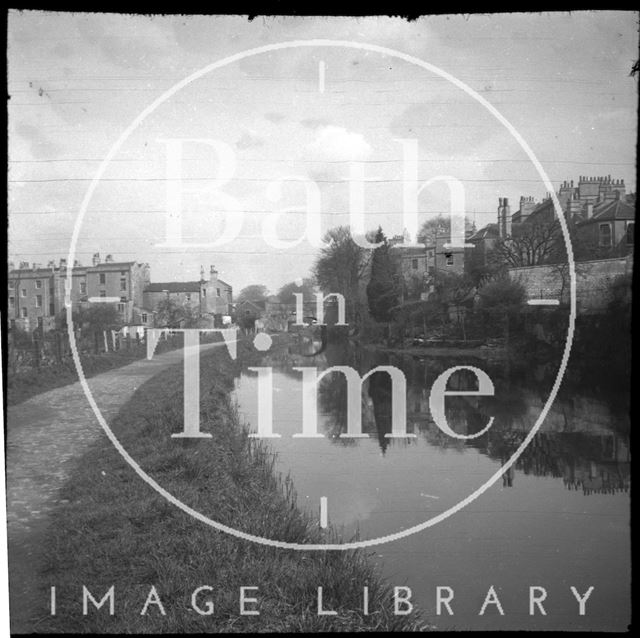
{"type": "Point", "coordinates": [32, 301]}
{"type": "Point", "coordinates": [209, 299]}
{"type": "Point", "coordinates": [413, 266]}
{"type": "Point", "coordinates": [484, 241]}
{"type": "Point", "coordinates": [597, 209]}
{"type": "Point", "coordinates": [446, 258]}
{"type": "Point", "coordinates": [36, 295]}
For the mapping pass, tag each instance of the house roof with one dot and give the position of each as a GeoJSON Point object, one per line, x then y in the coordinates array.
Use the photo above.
{"type": "Point", "coordinates": [490, 230]}
{"type": "Point", "coordinates": [224, 283]}
{"type": "Point", "coordinates": [112, 265]}
{"type": "Point", "coordinates": [173, 286]}
{"type": "Point", "coordinates": [609, 210]}
{"type": "Point", "coordinates": [260, 305]}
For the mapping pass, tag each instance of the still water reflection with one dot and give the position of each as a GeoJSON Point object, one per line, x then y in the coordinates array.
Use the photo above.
{"type": "Point", "coordinates": [558, 517]}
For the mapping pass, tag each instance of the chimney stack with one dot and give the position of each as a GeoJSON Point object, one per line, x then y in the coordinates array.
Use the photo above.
{"type": "Point", "coordinates": [108, 259]}
{"type": "Point", "coordinates": [504, 217]}
{"type": "Point", "coordinates": [213, 272]}
{"type": "Point", "coordinates": [96, 259]}
{"type": "Point", "coordinates": [63, 264]}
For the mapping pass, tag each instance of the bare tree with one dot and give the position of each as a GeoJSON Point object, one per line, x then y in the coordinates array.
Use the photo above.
{"type": "Point", "coordinates": [534, 244]}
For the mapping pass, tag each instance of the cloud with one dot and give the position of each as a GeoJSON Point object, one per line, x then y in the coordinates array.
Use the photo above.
{"type": "Point", "coordinates": [446, 129]}
{"type": "Point", "coordinates": [275, 118]}
{"type": "Point", "coordinates": [249, 139]}
{"type": "Point", "coordinates": [40, 146]}
{"type": "Point", "coordinates": [314, 122]}
{"type": "Point", "coordinates": [335, 143]}
{"type": "Point", "coordinates": [119, 39]}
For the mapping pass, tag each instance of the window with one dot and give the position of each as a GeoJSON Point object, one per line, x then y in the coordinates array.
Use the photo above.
{"type": "Point", "coordinates": [605, 235]}
{"type": "Point", "coordinates": [217, 292]}
{"type": "Point", "coordinates": [83, 287]}
{"type": "Point", "coordinates": [52, 310]}
{"type": "Point", "coordinates": [12, 285]}
{"type": "Point", "coordinates": [123, 273]}
{"type": "Point", "coordinates": [12, 302]}
{"type": "Point", "coordinates": [38, 283]}
{"type": "Point", "coordinates": [23, 292]}
{"type": "Point", "coordinates": [145, 317]}
{"type": "Point", "coordinates": [40, 323]}
{"type": "Point", "coordinates": [23, 312]}
{"type": "Point", "coordinates": [103, 293]}
{"type": "Point", "coordinates": [448, 259]}
{"type": "Point", "coordinates": [123, 300]}
{"type": "Point", "coordinates": [103, 279]}
{"type": "Point", "coordinates": [630, 229]}
{"type": "Point", "coordinates": [38, 301]}
{"type": "Point", "coordinates": [121, 307]}
{"type": "Point", "coordinates": [414, 264]}
{"type": "Point", "coordinates": [188, 296]}
{"type": "Point", "coordinates": [204, 292]}
{"type": "Point", "coordinates": [123, 283]}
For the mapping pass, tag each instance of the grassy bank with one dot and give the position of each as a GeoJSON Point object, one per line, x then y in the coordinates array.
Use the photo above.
{"type": "Point", "coordinates": [115, 530]}
{"type": "Point", "coordinates": [29, 383]}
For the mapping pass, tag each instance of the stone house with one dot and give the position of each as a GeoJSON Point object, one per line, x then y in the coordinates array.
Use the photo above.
{"type": "Point", "coordinates": [209, 299]}
{"type": "Point", "coordinates": [447, 259]}
{"type": "Point", "coordinates": [36, 295]}
{"type": "Point", "coordinates": [598, 211]}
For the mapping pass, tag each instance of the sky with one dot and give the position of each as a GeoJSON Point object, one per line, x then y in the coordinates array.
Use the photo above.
{"type": "Point", "coordinates": [282, 129]}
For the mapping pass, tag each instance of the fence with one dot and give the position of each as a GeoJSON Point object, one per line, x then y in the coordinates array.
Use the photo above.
{"type": "Point", "coordinates": [29, 351]}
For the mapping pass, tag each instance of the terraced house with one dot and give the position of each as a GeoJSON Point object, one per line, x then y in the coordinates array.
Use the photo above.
{"type": "Point", "coordinates": [36, 294]}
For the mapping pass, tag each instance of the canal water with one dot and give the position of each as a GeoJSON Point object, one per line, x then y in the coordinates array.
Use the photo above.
{"type": "Point", "coordinates": [558, 518]}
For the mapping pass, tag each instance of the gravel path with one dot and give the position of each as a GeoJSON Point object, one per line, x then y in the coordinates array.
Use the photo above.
{"type": "Point", "coordinates": [45, 435]}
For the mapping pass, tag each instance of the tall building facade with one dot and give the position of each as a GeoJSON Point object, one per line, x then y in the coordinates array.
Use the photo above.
{"type": "Point", "coordinates": [36, 295]}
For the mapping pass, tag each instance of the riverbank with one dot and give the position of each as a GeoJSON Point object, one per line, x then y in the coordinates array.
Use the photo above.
{"type": "Point", "coordinates": [111, 529]}
{"type": "Point", "coordinates": [497, 353]}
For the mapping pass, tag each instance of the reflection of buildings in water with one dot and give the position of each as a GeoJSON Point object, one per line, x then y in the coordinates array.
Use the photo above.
{"type": "Point", "coordinates": [595, 463]}
{"type": "Point", "coordinates": [581, 440]}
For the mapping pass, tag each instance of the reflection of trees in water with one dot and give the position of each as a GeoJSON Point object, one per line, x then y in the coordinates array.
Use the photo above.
{"type": "Point", "coordinates": [594, 462]}
{"type": "Point", "coordinates": [376, 407]}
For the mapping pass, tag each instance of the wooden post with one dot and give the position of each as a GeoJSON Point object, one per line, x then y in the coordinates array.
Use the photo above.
{"type": "Point", "coordinates": [36, 350]}
{"type": "Point", "coordinates": [113, 339]}
{"type": "Point", "coordinates": [58, 338]}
